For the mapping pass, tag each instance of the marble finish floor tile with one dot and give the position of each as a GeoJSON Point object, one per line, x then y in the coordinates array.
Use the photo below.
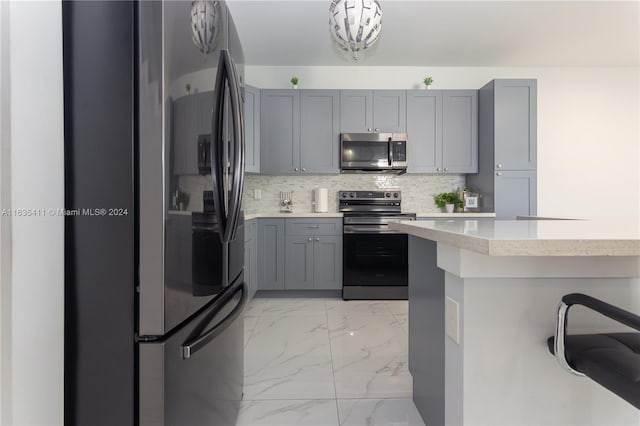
{"type": "Point", "coordinates": [288, 357]}
{"type": "Point", "coordinates": [398, 307]}
{"type": "Point", "coordinates": [357, 307]}
{"type": "Point", "coordinates": [255, 306]}
{"type": "Point", "coordinates": [249, 325]}
{"type": "Point", "coordinates": [295, 306]}
{"type": "Point", "coordinates": [288, 413]}
{"type": "Point", "coordinates": [362, 335]}
{"type": "Point", "coordinates": [373, 412]}
{"type": "Point", "coordinates": [403, 320]}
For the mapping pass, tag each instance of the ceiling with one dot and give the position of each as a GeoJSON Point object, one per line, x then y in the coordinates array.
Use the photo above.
{"type": "Point", "coordinates": [448, 33]}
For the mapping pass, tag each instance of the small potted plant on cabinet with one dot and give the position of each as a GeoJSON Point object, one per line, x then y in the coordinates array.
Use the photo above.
{"type": "Point", "coordinates": [294, 81]}
{"type": "Point", "coordinates": [427, 82]}
{"type": "Point", "coordinates": [448, 200]}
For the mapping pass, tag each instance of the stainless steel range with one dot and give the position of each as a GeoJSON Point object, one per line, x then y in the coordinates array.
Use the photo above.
{"type": "Point", "coordinates": [375, 258]}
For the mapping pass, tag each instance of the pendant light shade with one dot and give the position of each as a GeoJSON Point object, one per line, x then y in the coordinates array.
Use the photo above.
{"type": "Point", "coordinates": [204, 24]}
{"type": "Point", "coordinates": [355, 24]}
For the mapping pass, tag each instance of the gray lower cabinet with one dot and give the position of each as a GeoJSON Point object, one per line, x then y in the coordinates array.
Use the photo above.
{"type": "Point", "coordinates": [313, 254]}
{"type": "Point", "coordinates": [252, 128]}
{"type": "Point", "coordinates": [271, 254]}
{"type": "Point", "coordinates": [299, 267]}
{"type": "Point", "coordinates": [515, 193]}
{"type": "Point", "coordinates": [299, 131]}
{"type": "Point", "coordinates": [443, 131]}
{"type": "Point", "coordinates": [251, 256]}
{"type": "Point", "coordinates": [299, 254]}
{"type": "Point", "coordinates": [506, 177]}
{"type": "Point", "coordinates": [363, 111]}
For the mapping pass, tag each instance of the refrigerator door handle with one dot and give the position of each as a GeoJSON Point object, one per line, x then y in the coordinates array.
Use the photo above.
{"type": "Point", "coordinates": [195, 343]}
{"type": "Point", "coordinates": [237, 120]}
{"type": "Point", "coordinates": [227, 209]}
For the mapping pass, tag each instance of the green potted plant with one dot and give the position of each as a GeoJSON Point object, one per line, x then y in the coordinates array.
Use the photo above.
{"type": "Point", "coordinates": [448, 200]}
{"type": "Point", "coordinates": [427, 82]}
{"type": "Point", "coordinates": [294, 81]}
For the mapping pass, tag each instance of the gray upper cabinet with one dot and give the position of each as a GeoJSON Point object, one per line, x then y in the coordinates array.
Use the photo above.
{"type": "Point", "coordinates": [319, 131]}
{"type": "Point", "coordinates": [442, 128]}
{"type": "Point", "coordinates": [356, 111]}
{"type": "Point", "coordinates": [363, 111]}
{"type": "Point", "coordinates": [424, 130]}
{"type": "Point", "coordinates": [299, 131]}
{"type": "Point", "coordinates": [279, 131]}
{"type": "Point", "coordinates": [515, 107]}
{"type": "Point", "coordinates": [390, 111]}
{"type": "Point", "coordinates": [252, 128]}
{"type": "Point", "coordinates": [460, 131]}
{"type": "Point", "coordinates": [271, 254]}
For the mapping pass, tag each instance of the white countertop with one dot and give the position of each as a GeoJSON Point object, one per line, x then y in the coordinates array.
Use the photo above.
{"type": "Point", "coordinates": [292, 215]}
{"type": "Point", "coordinates": [597, 237]}
{"type": "Point", "coordinates": [464, 215]}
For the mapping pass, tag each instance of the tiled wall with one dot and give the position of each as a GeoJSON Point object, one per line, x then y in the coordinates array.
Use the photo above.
{"type": "Point", "coordinates": [417, 190]}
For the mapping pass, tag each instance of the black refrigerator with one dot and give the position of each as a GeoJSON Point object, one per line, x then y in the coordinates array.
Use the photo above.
{"type": "Point", "coordinates": [154, 164]}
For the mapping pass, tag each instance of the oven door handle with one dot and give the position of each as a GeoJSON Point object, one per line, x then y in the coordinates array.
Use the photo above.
{"type": "Point", "coordinates": [349, 229]}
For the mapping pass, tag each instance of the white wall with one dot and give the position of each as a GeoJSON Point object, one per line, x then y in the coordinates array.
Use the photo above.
{"type": "Point", "coordinates": [588, 124]}
{"type": "Point", "coordinates": [32, 341]}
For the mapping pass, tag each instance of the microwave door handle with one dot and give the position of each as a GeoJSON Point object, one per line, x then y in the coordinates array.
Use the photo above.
{"type": "Point", "coordinates": [390, 145]}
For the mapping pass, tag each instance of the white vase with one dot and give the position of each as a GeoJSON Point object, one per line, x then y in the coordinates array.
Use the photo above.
{"type": "Point", "coordinates": [295, 86]}
{"type": "Point", "coordinates": [449, 207]}
{"type": "Point", "coordinates": [428, 87]}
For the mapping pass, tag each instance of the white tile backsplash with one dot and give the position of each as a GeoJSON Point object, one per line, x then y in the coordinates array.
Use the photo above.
{"type": "Point", "coordinates": [417, 190]}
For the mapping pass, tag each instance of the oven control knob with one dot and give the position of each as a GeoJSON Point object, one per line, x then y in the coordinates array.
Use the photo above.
{"type": "Point", "coordinates": [396, 195]}
{"type": "Point", "coordinates": [352, 195]}
{"type": "Point", "coordinates": [387, 194]}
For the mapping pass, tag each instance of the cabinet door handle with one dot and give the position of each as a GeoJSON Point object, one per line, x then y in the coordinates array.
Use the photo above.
{"type": "Point", "coordinates": [368, 130]}
{"type": "Point", "coordinates": [313, 226]}
{"type": "Point", "coordinates": [499, 174]}
{"type": "Point", "coordinates": [446, 169]}
{"type": "Point", "coordinates": [499, 166]}
{"type": "Point", "coordinates": [304, 170]}
{"type": "Point", "coordinates": [309, 239]}
{"type": "Point", "coordinates": [296, 169]}
{"type": "Point", "coordinates": [377, 130]}
{"type": "Point", "coordinates": [437, 169]}
{"type": "Point", "coordinates": [317, 239]}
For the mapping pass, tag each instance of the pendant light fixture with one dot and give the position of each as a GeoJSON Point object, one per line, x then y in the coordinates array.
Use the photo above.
{"type": "Point", "coordinates": [355, 24]}
{"type": "Point", "coordinates": [204, 24]}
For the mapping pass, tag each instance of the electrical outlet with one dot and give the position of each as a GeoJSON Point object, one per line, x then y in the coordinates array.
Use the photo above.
{"type": "Point", "coordinates": [452, 319]}
{"type": "Point", "coordinates": [257, 194]}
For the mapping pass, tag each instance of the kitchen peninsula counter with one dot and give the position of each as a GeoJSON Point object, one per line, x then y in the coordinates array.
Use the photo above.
{"type": "Point", "coordinates": [482, 302]}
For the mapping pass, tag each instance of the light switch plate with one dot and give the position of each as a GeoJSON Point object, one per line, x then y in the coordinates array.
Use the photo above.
{"type": "Point", "coordinates": [452, 319]}
{"type": "Point", "coordinates": [257, 194]}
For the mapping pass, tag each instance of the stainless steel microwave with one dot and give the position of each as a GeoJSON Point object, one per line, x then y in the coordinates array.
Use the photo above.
{"type": "Point", "coordinates": [373, 152]}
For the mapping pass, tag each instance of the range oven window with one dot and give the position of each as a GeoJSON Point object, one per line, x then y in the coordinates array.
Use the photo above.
{"type": "Point", "coordinates": [375, 259]}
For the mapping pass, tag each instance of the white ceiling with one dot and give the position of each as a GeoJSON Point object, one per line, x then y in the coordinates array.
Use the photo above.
{"type": "Point", "coordinates": [448, 33]}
